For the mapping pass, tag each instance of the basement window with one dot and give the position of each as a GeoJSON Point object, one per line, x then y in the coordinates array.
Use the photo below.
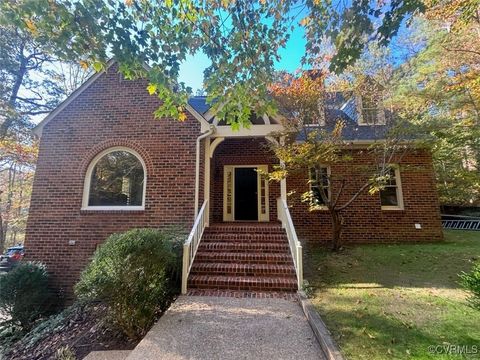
{"type": "Point", "coordinates": [115, 180]}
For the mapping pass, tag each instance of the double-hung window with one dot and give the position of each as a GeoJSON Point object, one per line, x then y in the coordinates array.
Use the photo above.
{"type": "Point", "coordinates": [371, 110]}
{"type": "Point", "coordinates": [319, 179]}
{"type": "Point", "coordinates": [391, 194]}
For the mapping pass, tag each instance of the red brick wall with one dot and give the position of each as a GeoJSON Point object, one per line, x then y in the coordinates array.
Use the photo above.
{"type": "Point", "coordinates": [111, 112]}
{"type": "Point", "coordinates": [253, 151]}
{"type": "Point", "coordinates": [364, 220]}
{"type": "Point", "coordinates": [115, 112]}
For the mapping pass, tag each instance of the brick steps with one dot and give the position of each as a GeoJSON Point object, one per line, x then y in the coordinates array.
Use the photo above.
{"type": "Point", "coordinates": [244, 237]}
{"type": "Point", "coordinates": [292, 296]}
{"type": "Point", "coordinates": [251, 283]}
{"type": "Point", "coordinates": [243, 257]}
{"type": "Point", "coordinates": [249, 257]}
{"type": "Point", "coordinates": [241, 246]}
{"type": "Point", "coordinates": [235, 269]}
{"type": "Point", "coordinates": [238, 228]}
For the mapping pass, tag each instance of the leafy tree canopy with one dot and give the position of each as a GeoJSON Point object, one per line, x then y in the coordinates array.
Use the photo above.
{"type": "Point", "coordinates": [241, 38]}
{"type": "Point", "coordinates": [439, 90]}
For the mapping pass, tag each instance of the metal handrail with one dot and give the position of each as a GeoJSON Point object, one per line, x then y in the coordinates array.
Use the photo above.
{"type": "Point", "coordinates": [295, 246]}
{"type": "Point", "coordinates": [191, 245]}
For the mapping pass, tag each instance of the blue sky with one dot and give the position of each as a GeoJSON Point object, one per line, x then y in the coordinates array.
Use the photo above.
{"type": "Point", "coordinates": [191, 71]}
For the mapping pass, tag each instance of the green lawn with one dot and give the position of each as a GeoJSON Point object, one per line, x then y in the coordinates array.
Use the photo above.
{"type": "Point", "coordinates": [394, 301]}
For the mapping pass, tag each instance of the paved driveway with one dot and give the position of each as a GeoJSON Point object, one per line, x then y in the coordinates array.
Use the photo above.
{"type": "Point", "coordinates": [200, 327]}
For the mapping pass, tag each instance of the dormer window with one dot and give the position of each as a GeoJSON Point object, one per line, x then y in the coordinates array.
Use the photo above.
{"type": "Point", "coordinates": [370, 110]}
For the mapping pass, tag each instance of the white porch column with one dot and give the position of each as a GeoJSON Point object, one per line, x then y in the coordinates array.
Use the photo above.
{"type": "Point", "coordinates": [206, 179]}
{"type": "Point", "coordinates": [283, 189]}
{"type": "Point", "coordinates": [283, 182]}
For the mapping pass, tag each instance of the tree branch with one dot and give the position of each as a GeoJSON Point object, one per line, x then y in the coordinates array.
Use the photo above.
{"type": "Point", "coordinates": [335, 202]}
{"type": "Point", "coordinates": [357, 194]}
{"type": "Point", "coordinates": [463, 50]}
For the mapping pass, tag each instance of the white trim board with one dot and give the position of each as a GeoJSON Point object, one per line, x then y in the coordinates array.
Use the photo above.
{"type": "Point", "coordinates": [253, 131]}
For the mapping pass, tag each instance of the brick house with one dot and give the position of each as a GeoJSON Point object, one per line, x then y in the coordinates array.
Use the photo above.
{"type": "Point", "coordinates": [107, 165]}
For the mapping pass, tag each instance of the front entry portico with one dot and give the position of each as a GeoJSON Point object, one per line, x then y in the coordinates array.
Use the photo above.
{"type": "Point", "coordinates": [237, 190]}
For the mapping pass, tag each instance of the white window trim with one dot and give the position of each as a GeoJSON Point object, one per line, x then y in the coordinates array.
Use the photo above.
{"type": "Point", "coordinates": [329, 172]}
{"type": "Point", "coordinates": [398, 181]}
{"type": "Point", "coordinates": [88, 179]}
{"type": "Point", "coordinates": [380, 117]}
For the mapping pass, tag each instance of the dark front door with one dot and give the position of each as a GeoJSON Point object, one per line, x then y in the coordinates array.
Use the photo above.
{"type": "Point", "coordinates": [246, 194]}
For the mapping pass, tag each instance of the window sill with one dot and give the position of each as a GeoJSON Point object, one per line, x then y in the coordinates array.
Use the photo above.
{"type": "Point", "coordinates": [320, 208]}
{"type": "Point", "coordinates": [392, 208]}
{"type": "Point", "coordinates": [112, 209]}
{"type": "Point", "coordinates": [371, 124]}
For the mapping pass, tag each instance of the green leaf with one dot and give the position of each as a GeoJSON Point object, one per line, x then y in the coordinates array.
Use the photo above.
{"type": "Point", "coordinates": [152, 89]}
{"type": "Point", "coordinates": [98, 66]}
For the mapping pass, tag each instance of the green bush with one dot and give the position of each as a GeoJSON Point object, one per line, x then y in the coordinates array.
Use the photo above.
{"type": "Point", "coordinates": [135, 274]}
{"type": "Point", "coordinates": [25, 295]}
{"type": "Point", "coordinates": [65, 353]}
{"type": "Point", "coordinates": [471, 282]}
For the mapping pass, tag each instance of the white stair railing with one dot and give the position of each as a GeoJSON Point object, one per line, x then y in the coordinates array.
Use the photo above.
{"type": "Point", "coordinates": [191, 245]}
{"type": "Point", "coordinates": [295, 247]}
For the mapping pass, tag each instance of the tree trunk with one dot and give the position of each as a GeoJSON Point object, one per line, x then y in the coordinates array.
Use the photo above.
{"type": "Point", "coordinates": [12, 101]}
{"type": "Point", "coordinates": [336, 230]}
{"type": "Point", "coordinates": [2, 238]}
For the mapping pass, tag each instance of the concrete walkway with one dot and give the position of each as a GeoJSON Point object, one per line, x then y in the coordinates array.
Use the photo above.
{"type": "Point", "coordinates": [200, 327]}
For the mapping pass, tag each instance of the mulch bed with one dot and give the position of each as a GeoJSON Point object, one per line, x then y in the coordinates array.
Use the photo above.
{"type": "Point", "coordinates": [82, 329]}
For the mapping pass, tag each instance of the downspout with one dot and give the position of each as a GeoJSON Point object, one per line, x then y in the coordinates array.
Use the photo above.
{"type": "Point", "coordinates": [197, 165]}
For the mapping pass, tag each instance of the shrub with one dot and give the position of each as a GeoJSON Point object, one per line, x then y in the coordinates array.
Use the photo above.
{"type": "Point", "coordinates": [65, 353]}
{"type": "Point", "coordinates": [471, 282]}
{"type": "Point", "coordinates": [135, 274]}
{"type": "Point", "coordinates": [24, 295]}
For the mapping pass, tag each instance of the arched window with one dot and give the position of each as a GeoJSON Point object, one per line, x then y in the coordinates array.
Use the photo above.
{"type": "Point", "coordinates": [115, 180]}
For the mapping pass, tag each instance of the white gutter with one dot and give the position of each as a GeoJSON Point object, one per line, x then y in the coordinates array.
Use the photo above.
{"type": "Point", "coordinates": [197, 165]}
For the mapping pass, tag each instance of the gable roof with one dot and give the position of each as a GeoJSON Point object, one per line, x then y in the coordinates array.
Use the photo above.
{"type": "Point", "coordinates": [199, 103]}
{"type": "Point", "coordinates": [37, 130]}
{"type": "Point", "coordinates": [338, 106]}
